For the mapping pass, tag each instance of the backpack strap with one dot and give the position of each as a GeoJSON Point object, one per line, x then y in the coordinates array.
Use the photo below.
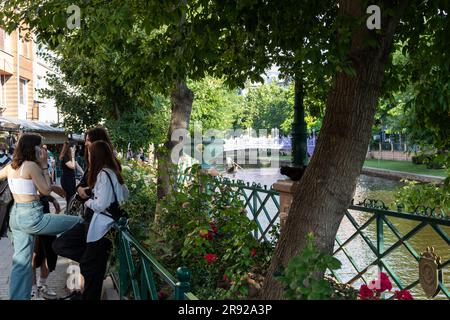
{"type": "Point", "coordinates": [112, 185]}
{"type": "Point", "coordinates": [115, 195]}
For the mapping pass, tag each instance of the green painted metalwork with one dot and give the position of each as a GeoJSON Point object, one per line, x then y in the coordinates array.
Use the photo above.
{"type": "Point", "coordinates": [255, 197]}
{"type": "Point", "coordinates": [135, 278]}
{"type": "Point", "coordinates": [262, 205]}
{"type": "Point", "coordinates": [258, 200]}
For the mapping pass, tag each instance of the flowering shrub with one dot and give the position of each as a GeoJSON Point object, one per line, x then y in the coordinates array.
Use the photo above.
{"type": "Point", "coordinates": [206, 229]}
{"type": "Point", "coordinates": [140, 179]}
{"type": "Point", "coordinates": [374, 290]}
{"type": "Point", "coordinates": [403, 295]}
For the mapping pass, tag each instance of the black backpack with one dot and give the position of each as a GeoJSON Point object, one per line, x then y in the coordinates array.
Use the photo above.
{"type": "Point", "coordinates": [6, 202]}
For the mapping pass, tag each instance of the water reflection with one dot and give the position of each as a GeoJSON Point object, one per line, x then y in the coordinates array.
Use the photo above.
{"type": "Point", "coordinates": [400, 260]}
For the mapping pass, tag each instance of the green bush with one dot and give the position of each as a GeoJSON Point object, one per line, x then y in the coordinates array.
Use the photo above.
{"type": "Point", "coordinates": [414, 195]}
{"type": "Point", "coordinates": [205, 228]}
{"type": "Point", "coordinates": [420, 159]}
{"type": "Point", "coordinates": [140, 179]}
{"type": "Point", "coordinates": [437, 161]}
{"type": "Point", "coordinates": [301, 277]}
{"type": "Point", "coordinates": [432, 161]}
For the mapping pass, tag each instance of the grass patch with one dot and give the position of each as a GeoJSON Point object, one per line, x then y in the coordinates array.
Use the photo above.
{"type": "Point", "coordinates": [404, 166]}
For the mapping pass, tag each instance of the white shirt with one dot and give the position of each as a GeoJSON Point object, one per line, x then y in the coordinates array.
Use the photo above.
{"type": "Point", "coordinates": [103, 197]}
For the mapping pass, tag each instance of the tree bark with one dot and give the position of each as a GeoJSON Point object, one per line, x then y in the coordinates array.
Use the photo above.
{"type": "Point", "coordinates": [326, 188]}
{"type": "Point", "coordinates": [181, 101]}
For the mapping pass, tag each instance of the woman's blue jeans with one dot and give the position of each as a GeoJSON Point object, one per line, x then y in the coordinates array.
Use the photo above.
{"type": "Point", "coordinates": [27, 220]}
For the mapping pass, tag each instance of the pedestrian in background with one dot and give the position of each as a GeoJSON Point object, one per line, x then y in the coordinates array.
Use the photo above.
{"type": "Point", "coordinates": [68, 166]}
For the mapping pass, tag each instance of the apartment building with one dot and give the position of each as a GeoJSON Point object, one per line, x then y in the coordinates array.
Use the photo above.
{"type": "Point", "coordinates": [22, 73]}
{"type": "Point", "coordinates": [44, 109]}
{"type": "Point", "coordinates": [22, 108]}
{"type": "Point", "coordinates": [16, 74]}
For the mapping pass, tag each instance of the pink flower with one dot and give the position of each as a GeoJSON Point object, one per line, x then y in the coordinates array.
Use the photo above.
{"type": "Point", "coordinates": [253, 252]}
{"type": "Point", "coordinates": [381, 284]}
{"type": "Point", "coordinates": [162, 295]}
{"type": "Point", "coordinates": [225, 278]}
{"type": "Point", "coordinates": [403, 295]}
{"type": "Point", "coordinates": [385, 282]}
{"type": "Point", "coordinates": [210, 257]}
{"type": "Point", "coordinates": [365, 293]}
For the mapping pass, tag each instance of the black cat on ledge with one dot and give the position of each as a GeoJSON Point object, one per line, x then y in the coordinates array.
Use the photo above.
{"type": "Point", "coordinates": [294, 173]}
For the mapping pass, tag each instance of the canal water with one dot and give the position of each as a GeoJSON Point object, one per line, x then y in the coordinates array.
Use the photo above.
{"type": "Point", "coordinates": [399, 260]}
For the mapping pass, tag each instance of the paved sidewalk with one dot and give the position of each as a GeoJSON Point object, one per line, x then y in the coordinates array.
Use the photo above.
{"type": "Point", "coordinates": [56, 280]}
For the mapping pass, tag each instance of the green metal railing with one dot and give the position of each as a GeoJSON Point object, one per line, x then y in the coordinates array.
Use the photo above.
{"type": "Point", "coordinates": [262, 205]}
{"type": "Point", "coordinates": [380, 215]}
{"type": "Point", "coordinates": [380, 230]}
{"type": "Point", "coordinates": [136, 277]}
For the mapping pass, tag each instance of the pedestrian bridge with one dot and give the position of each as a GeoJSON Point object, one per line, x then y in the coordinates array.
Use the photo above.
{"type": "Point", "coordinates": [283, 144]}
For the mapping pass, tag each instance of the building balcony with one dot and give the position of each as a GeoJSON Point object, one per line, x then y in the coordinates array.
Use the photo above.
{"type": "Point", "coordinates": [6, 63]}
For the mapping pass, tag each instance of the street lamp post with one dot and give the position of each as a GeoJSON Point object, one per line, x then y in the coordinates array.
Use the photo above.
{"type": "Point", "coordinates": [299, 153]}
{"type": "Point", "coordinates": [299, 128]}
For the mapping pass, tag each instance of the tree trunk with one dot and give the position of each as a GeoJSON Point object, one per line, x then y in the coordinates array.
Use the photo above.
{"type": "Point", "coordinates": [326, 188]}
{"type": "Point", "coordinates": [181, 101]}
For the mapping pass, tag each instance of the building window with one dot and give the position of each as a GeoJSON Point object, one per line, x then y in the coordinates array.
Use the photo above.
{"type": "Point", "coordinates": [25, 48]}
{"type": "Point", "coordinates": [35, 114]}
{"type": "Point", "coordinates": [23, 92]}
{"type": "Point", "coordinates": [2, 90]}
{"type": "Point", "coordinates": [23, 99]}
{"type": "Point", "coordinates": [7, 42]}
{"type": "Point", "coordinates": [38, 87]}
{"type": "Point", "coordinates": [2, 39]}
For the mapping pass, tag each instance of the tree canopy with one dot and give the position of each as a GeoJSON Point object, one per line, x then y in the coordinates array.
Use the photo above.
{"type": "Point", "coordinates": [154, 44]}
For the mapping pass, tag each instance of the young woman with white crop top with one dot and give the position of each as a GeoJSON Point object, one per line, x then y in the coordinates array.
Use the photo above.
{"type": "Point", "coordinates": [28, 178]}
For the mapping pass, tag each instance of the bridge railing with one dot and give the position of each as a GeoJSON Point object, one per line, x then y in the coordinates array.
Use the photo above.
{"type": "Point", "coordinates": [140, 276]}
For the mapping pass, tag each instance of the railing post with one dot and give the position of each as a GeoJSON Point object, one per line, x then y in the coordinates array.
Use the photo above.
{"type": "Point", "coordinates": [183, 285]}
{"type": "Point", "coordinates": [123, 275]}
{"type": "Point", "coordinates": [255, 210]}
{"type": "Point", "coordinates": [284, 189]}
{"type": "Point", "coordinates": [380, 154]}
{"type": "Point", "coordinates": [380, 240]}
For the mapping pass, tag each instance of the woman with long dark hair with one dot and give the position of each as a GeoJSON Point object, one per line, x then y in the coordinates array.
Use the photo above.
{"type": "Point", "coordinates": [69, 166]}
{"type": "Point", "coordinates": [72, 244]}
{"type": "Point", "coordinates": [107, 185]}
{"type": "Point", "coordinates": [92, 135]}
{"type": "Point", "coordinates": [28, 178]}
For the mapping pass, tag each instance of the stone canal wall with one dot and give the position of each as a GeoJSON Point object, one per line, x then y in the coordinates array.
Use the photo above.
{"type": "Point", "coordinates": [399, 175]}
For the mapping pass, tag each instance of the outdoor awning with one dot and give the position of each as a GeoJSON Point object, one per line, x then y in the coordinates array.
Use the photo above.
{"type": "Point", "coordinates": [51, 135]}
{"type": "Point", "coordinates": [28, 126]}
